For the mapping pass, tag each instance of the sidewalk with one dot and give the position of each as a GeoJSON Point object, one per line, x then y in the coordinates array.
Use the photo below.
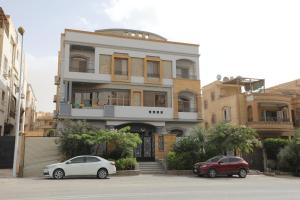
{"type": "Point", "coordinates": [6, 173]}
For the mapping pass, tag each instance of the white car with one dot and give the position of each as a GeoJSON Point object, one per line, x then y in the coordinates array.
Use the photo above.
{"type": "Point", "coordinates": [81, 166]}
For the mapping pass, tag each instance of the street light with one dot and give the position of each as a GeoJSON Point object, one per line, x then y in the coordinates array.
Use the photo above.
{"type": "Point", "coordinates": [21, 30]}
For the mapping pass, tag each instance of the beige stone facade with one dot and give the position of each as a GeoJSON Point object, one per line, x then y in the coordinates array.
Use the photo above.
{"type": "Point", "coordinates": [273, 112]}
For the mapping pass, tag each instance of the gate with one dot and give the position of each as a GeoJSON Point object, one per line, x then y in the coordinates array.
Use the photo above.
{"type": "Point", "coordinates": [7, 146]}
{"type": "Point", "coordinates": [255, 159]}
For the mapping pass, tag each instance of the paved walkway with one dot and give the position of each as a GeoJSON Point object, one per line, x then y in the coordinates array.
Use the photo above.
{"type": "Point", "coordinates": [5, 173]}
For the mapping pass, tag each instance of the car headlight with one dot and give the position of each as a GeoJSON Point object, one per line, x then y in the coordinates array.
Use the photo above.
{"type": "Point", "coordinates": [203, 166]}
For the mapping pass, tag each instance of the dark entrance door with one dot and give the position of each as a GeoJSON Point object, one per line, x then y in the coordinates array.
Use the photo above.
{"type": "Point", "coordinates": [7, 145]}
{"type": "Point", "coordinates": [145, 151]}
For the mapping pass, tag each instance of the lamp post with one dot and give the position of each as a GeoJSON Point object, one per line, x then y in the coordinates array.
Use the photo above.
{"type": "Point", "coordinates": [18, 107]}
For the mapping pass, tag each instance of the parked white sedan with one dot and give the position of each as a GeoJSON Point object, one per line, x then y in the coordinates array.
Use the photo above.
{"type": "Point", "coordinates": [81, 166]}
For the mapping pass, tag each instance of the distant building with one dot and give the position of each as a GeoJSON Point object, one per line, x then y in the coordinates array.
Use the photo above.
{"type": "Point", "coordinates": [30, 110]}
{"type": "Point", "coordinates": [119, 77]}
{"type": "Point", "coordinates": [273, 112]}
{"type": "Point", "coordinates": [43, 125]}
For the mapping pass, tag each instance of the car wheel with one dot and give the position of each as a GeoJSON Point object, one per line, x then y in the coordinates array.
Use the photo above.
{"type": "Point", "coordinates": [58, 174]}
{"type": "Point", "coordinates": [242, 173]}
{"type": "Point", "coordinates": [212, 173]}
{"type": "Point", "coordinates": [102, 173]}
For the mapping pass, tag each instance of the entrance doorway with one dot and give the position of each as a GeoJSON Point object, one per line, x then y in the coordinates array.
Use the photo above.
{"type": "Point", "coordinates": [144, 151]}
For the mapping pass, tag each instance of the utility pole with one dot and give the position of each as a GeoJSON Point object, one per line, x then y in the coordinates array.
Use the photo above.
{"type": "Point", "coordinates": [17, 128]}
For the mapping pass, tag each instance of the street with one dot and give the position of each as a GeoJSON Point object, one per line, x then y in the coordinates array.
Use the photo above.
{"type": "Point", "coordinates": [152, 187]}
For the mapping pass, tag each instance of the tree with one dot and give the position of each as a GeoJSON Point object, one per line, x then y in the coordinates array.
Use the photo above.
{"type": "Point", "coordinates": [78, 138]}
{"type": "Point", "coordinates": [69, 144]}
{"type": "Point", "coordinates": [226, 137]}
{"type": "Point", "coordinates": [289, 156]}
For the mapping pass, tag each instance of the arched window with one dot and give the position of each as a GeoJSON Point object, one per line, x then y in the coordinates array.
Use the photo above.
{"type": "Point", "coordinates": [78, 64]}
{"type": "Point", "coordinates": [227, 114]}
{"type": "Point", "coordinates": [185, 69]}
{"type": "Point", "coordinates": [249, 114]}
{"type": "Point", "coordinates": [186, 102]}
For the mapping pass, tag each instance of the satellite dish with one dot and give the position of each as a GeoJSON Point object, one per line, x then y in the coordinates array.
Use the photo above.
{"type": "Point", "coordinates": [225, 79]}
{"type": "Point", "coordinates": [219, 77]}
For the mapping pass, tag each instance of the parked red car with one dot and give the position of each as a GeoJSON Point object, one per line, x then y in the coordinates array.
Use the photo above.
{"type": "Point", "coordinates": [222, 165]}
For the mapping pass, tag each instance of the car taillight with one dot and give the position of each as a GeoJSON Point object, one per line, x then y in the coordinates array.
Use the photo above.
{"type": "Point", "coordinates": [113, 163]}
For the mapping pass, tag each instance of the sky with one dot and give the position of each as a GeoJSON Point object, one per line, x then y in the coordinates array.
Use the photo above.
{"type": "Point", "coordinates": [257, 38]}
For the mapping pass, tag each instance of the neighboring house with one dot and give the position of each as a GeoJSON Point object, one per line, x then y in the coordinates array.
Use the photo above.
{"type": "Point", "coordinates": [10, 57]}
{"type": "Point", "coordinates": [273, 112]}
{"type": "Point", "coordinates": [43, 124]}
{"type": "Point", "coordinates": [119, 77]}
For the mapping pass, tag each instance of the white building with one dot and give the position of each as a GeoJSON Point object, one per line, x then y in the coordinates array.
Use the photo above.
{"type": "Point", "coordinates": [118, 77]}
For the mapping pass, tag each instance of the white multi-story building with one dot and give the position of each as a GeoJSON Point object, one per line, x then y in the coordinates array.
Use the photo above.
{"type": "Point", "coordinates": [10, 57]}
{"type": "Point", "coordinates": [118, 77]}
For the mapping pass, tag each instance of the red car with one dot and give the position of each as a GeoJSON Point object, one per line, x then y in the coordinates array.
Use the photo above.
{"type": "Point", "coordinates": [222, 165]}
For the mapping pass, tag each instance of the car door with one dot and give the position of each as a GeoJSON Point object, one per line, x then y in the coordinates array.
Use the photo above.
{"type": "Point", "coordinates": [224, 166]}
{"type": "Point", "coordinates": [92, 165]}
{"type": "Point", "coordinates": [235, 164]}
{"type": "Point", "coordinates": [75, 166]}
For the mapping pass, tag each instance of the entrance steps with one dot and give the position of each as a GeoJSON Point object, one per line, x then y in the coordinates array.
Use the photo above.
{"type": "Point", "coordinates": [151, 168]}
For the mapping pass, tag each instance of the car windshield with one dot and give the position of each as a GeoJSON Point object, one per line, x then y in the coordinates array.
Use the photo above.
{"type": "Point", "coordinates": [214, 159]}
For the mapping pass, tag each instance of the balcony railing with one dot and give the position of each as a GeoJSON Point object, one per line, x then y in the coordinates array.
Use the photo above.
{"type": "Point", "coordinates": [182, 76]}
{"type": "Point", "coordinates": [186, 106]}
{"type": "Point", "coordinates": [270, 125]}
{"type": "Point", "coordinates": [153, 75]}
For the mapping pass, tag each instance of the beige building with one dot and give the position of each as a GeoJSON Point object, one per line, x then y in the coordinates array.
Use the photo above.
{"type": "Point", "coordinates": [43, 125]}
{"type": "Point", "coordinates": [273, 112]}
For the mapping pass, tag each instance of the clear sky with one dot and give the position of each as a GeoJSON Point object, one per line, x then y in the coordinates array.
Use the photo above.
{"type": "Point", "coordinates": [257, 38]}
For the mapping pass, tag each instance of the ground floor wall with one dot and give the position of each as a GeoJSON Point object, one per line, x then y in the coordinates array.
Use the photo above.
{"type": "Point", "coordinates": [38, 153]}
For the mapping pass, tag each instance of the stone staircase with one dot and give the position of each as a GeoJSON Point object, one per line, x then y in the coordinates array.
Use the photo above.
{"type": "Point", "coordinates": [151, 168]}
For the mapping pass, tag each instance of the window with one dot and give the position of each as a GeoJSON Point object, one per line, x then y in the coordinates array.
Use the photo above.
{"type": "Point", "coordinates": [186, 102]}
{"type": "Point", "coordinates": [250, 113]}
{"type": "Point", "coordinates": [234, 159]}
{"type": "Point", "coordinates": [92, 159]}
{"type": "Point", "coordinates": [78, 160]}
{"type": "Point", "coordinates": [161, 143]}
{"type": "Point", "coordinates": [78, 64]}
{"type": "Point", "coordinates": [213, 118]}
{"type": "Point", "coordinates": [153, 69]}
{"type": "Point", "coordinates": [121, 66]}
{"type": "Point", "coordinates": [3, 97]}
{"type": "Point", "coordinates": [177, 132]}
{"type": "Point", "coordinates": [227, 114]}
{"type": "Point", "coordinates": [185, 69]}
{"type": "Point", "coordinates": [155, 99]}
{"type": "Point", "coordinates": [205, 104]}
{"type": "Point", "coordinates": [225, 160]}
{"type": "Point", "coordinates": [212, 96]}
{"type": "Point", "coordinates": [5, 66]}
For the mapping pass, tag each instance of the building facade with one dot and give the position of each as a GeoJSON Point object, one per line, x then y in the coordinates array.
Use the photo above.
{"type": "Point", "coordinates": [118, 77]}
{"type": "Point", "coordinates": [273, 112]}
{"type": "Point", "coordinates": [10, 57]}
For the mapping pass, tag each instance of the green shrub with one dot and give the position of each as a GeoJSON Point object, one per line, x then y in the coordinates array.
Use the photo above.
{"type": "Point", "coordinates": [182, 161]}
{"type": "Point", "coordinates": [273, 146]}
{"type": "Point", "coordinates": [126, 164]}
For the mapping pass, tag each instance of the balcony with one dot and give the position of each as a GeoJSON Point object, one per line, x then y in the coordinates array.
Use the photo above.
{"type": "Point", "coordinates": [124, 112]}
{"type": "Point", "coordinates": [186, 76]}
{"type": "Point", "coordinates": [271, 125]}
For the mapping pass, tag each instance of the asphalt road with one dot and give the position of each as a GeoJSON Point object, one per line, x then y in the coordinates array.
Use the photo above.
{"type": "Point", "coordinates": [152, 187]}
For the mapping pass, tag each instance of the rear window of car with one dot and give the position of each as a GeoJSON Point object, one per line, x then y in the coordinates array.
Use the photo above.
{"type": "Point", "coordinates": [233, 159]}
{"type": "Point", "coordinates": [92, 159]}
{"type": "Point", "coordinates": [214, 159]}
{"type": "Point", "coordinates": [78, 160]}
